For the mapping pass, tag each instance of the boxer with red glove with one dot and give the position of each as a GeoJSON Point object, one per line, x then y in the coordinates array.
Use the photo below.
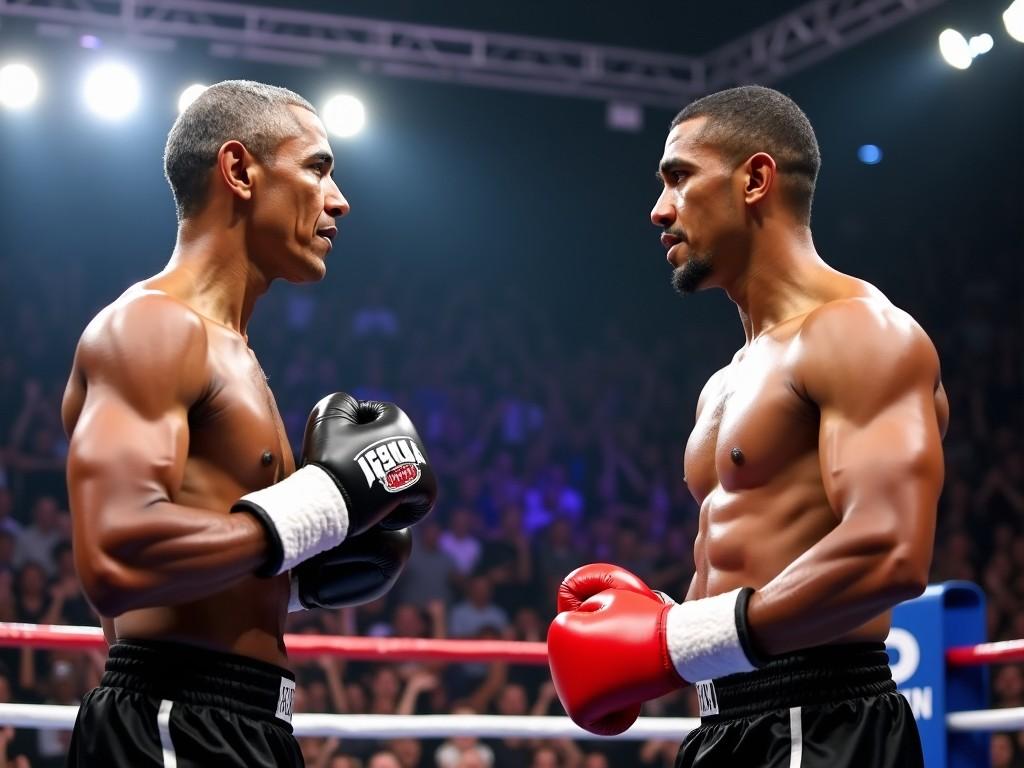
{"type": "Point", "coordinates": [617, 643]}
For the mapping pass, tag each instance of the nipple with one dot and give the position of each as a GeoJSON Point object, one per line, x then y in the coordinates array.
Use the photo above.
{"type": "Point", "coordinates": [737, 457]}
{"type": "Point", "coordinates": [267, 459]}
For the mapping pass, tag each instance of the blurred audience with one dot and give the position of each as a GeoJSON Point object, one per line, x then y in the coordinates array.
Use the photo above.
{"type": "Point", "coordinates": [550, 454]}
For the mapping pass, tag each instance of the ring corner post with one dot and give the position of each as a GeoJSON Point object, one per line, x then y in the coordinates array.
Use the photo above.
{"type": "Point", "coordinates": [964, 616]}
{"type": "Point", "coordinates": [946, 615]}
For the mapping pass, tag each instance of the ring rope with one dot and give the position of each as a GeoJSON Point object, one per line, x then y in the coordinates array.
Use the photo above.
{"type": "Point", "coordinates": [59, 637]}
{"type": "Point", "coordinates": [55, 717]}
{"type": "Point", "coordinates": [986, 653]}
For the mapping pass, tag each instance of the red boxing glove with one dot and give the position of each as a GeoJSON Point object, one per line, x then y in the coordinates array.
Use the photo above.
{"type": "Point", "coordinates": [621, 648]}
{"type": "Point", "coordinates": [593, 579]}
{"type": "Point", "coordinates": [609, 657]}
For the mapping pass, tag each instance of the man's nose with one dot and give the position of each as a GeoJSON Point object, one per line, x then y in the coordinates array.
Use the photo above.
{"type": "Point", "coordinates": [663, 214]}
{"type": "Point", "coordinates": [335, 203]}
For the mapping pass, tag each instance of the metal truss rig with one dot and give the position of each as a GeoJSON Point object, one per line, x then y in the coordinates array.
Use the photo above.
{"type": "Point", "coordinates": [791, 42]}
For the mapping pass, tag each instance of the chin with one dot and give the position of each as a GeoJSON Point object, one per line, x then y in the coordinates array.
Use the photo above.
{"type": "Point", "coordinates": [314, 274]}
{"type": "Point", "coordinates": [307, 268]}
{"type": "Point", "coordinates": [691, 277]}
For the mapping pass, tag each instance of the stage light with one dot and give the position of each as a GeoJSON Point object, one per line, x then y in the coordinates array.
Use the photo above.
{"type": "Point", "coordinates": [980, 44]}
{"type": "Point", "coordinates": [344, 115]}
{"type": "Point", "coordinates": [955, 49]}
{"type": "Point", "coordinates": [111, 91]}
{"type": "Point", "coordinates": [869, 154]}
{"type": "Point", "coordinates": [19, 86]}
{"type": "Point", "coordinates": [1013, 19]}
{"type": "Point", "coordinates": [189, 95]}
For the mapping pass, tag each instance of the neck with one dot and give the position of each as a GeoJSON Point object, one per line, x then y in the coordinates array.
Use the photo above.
{"type": "Point", "coordinates": [781, 280]}
{"type": "Point", "coordinates": [212, 271]}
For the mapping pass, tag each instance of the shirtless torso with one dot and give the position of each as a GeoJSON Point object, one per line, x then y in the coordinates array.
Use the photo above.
{"type": "Point", "coordinates": [217, 402]}
{"type": "Point", "coordinates": [756, 461]}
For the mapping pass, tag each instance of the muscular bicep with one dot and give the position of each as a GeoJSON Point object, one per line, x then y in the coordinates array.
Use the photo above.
{"type": "Point", "coordinates": [888, 466]}
{"type": "Point", "coordinates": [141, 368]}
{"type": "Point", "coordinates": [880, 439]}
{"type": "Point", "coordinates": [121, 457]}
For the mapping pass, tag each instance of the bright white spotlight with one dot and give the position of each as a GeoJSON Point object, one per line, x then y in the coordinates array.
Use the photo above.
{"type": "Point", "coordinates": [19, 86]}
{"type": "Point", "coordinates": [980, 44]}
{"type": "Point", "coordinates": [1013, 19]}
{"type": "Point", "coordinates": [954, 49]}
{"type": "Point", "coordinates": [111, 91]}
{"type": "Point", "coordinates": [189, 95]}
{"type": "Point", "coordinates": [344, 115]}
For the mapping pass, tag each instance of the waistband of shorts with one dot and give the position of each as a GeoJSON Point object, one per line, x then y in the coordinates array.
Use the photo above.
{"type": "Point", "coordinates": [814, 676]}
{"type": "Point", "coordinates": [194, 675]}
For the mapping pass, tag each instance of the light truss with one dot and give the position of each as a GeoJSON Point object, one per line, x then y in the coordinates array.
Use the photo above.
{"type": "Point", "coordinates": [793, 41]}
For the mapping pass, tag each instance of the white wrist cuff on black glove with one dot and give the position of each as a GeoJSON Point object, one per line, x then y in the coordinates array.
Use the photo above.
{"type": "Point", "coordinates": [305, 514]}
{"type": "Point", "coordinates": [294, 601]}
{"type": "Point", "coordinates": [708, 638]}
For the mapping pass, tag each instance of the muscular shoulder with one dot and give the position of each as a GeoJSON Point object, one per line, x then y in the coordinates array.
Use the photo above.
{"type": "Point", "coordinates": [865, 347]}
{"type": "Point", "coordinates": [146, 341]}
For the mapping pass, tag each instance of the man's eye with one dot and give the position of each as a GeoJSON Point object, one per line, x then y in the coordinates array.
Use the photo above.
{"type": "Point", "coordinates": [320, 168]}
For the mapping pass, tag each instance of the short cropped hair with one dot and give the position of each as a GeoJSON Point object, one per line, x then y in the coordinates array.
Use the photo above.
{"type": "Point", "coordinates": [253, 113]}
{"type": "Point", "coordinates": [751, 118]}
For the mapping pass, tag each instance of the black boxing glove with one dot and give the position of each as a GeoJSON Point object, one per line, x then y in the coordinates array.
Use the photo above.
{"type": "Point", "coordinates": [358, 570]}
{"type": "Point", "coordinates": [363, 465]}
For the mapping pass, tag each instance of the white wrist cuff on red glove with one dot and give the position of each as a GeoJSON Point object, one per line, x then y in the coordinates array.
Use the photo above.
{"type": "Point", "coordinates": [707, 638]}
{"type": "Point", "coordinates": [305, 514]}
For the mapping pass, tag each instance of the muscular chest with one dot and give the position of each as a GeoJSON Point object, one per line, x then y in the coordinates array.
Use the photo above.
{"type": "Point", "coordinates": [752, 424]}
{"type": "Point", "coordinates": [237, 429]}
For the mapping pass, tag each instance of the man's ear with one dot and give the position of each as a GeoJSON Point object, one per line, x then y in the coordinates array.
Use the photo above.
{"type": "Point", "coordinates": [234, 167]}
{"type": "Point", "coordinates": [761, 174]}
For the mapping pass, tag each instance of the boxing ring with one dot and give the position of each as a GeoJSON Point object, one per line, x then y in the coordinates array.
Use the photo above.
{"type": "Point", "coordinates": [937, 653]}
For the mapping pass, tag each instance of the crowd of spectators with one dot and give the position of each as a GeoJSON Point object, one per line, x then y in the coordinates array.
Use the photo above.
{"type": "Point", "coordinates": [551, 454]}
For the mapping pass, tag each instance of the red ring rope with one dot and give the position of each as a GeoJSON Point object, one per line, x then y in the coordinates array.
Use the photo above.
{"type": "Point", "coordinates": [986, 653]}
{"type": "Point", "coordinates": [55, 637]}
{"type": "Point", "coordinates": [413, 649]}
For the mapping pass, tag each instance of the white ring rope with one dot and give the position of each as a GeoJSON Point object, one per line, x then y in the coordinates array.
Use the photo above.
{"type": "Point", "coordinates": [54, 717]}
{"type": "Point", "coordinates": [1010, 719]}
{"type": "Point", "coordinates": [486, 726]}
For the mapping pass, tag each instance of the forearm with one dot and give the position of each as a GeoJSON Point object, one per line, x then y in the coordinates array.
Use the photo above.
{"type": "Point", "coordinates": [842, 582]}
{"type": "Point", "coordinates": [169, 554]}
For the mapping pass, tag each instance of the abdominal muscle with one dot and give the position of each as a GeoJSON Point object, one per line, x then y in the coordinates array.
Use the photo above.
{"type": "Point", "coordinates": [747, 538]}
{"type": "Point", "coordinates": [247, 618]}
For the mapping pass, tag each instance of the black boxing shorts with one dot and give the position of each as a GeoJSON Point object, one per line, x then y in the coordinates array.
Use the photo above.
{"type": "Point", "coordinates": [168, 705]}
{"type": "Point", "coordinates": [827, 707]}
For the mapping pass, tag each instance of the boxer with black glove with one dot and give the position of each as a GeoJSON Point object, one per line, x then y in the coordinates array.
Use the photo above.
{"type": "Point", "coordinates": [172, 424]}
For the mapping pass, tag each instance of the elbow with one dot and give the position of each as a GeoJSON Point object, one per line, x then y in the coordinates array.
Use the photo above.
{"type": "Point", "coordinates": [105, 585]}
{"type": "Point", "coordinates": [906, 574]}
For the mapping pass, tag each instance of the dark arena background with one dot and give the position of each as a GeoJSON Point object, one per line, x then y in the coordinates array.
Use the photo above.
{"type": "Point", "coordinates": [499, 277]}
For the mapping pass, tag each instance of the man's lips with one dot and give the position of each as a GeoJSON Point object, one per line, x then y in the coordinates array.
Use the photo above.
{"type": "Point", "coordinates": [328, 234]}
{"type": "Point", "coordinates": [668, 239]}
{"type": "Point", "coordinates": [670, 242]}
